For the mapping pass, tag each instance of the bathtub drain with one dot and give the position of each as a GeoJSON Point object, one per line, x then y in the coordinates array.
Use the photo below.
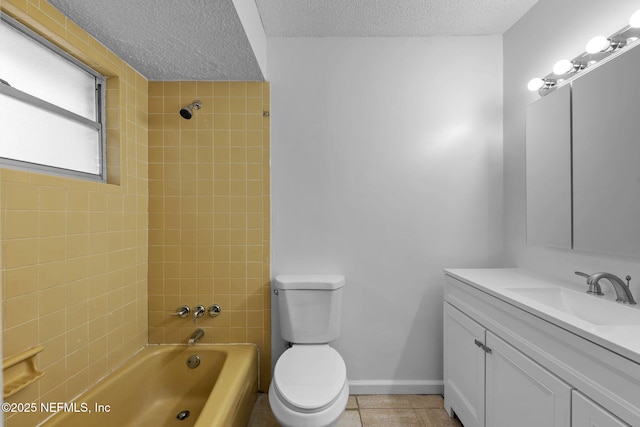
{"type": "Point", "coordinates": [193, 361]}
{"type": "Point", "coordinates": [183, 415]}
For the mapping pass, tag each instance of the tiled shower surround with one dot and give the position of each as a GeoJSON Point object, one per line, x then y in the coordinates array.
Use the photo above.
{"type": "Point", "coordinates": [74, 253]}
{"type": "Point", "coordinates": [91, 270]}
{"type": "Point", "coordinates": [209, 212]}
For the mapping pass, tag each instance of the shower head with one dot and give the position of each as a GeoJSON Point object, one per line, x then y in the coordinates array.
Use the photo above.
{"type": "Point", "coordinates": [187, 111]}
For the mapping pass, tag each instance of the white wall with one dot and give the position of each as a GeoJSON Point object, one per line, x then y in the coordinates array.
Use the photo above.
{"type": "Point", "coordinates": [247, 11]}
{"type": "Point", "coordinates": [386, 167]}
{"type": "Point", "coordinates": [550, 31]}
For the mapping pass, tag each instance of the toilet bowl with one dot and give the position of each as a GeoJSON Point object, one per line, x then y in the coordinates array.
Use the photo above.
{"type": "Point", "coordinates": [309, 386]}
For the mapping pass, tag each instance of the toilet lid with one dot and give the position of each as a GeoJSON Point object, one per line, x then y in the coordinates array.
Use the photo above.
{"type": "Point", "coordinates": [310, 376]}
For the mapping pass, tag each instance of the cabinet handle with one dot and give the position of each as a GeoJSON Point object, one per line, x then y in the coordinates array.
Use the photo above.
{"type": "Point", "coordinates": [482, 346]}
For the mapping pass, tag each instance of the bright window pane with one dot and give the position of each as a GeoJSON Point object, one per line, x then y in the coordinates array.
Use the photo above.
{"type": "Point", "coordinates": [30, 134]}
{"type": "Point", "coordinates": [51, 109]}
{"type": "Point", "coordinates": [32, 68]}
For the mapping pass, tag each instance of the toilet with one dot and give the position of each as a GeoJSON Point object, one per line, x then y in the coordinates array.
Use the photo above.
{"type": "Point", "coordinates": [309, 386]}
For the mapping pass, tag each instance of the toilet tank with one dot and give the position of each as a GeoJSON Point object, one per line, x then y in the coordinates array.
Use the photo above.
{"type": "Point", "coordinates": [310, 307]}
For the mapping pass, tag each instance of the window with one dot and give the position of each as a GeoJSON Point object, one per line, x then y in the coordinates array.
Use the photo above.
{"type": "Point", "coordinates": [51, 107]}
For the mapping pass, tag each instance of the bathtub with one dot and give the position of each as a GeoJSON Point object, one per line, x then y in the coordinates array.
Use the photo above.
{"type": "Point", "coordinates": [156, 387]}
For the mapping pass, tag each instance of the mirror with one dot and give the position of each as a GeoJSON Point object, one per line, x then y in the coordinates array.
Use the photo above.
{"type": "Point", "coordinates": [583, 161]}
{"type": "Point", "coordinates": [606, 157]}
{"type": "Point", "coordinates": [548, 170]}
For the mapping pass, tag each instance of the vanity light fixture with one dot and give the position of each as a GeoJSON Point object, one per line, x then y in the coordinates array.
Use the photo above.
{"type": "Point", "coordinates": [634, 21]}
{"type": "Point", "coordinates": [596, 51]}
{"type": "Point", "coordinates": [602, 44]}
{"type": "Point", "coordinates": [564, 66]}
{"type": "Point", "coordinates": [538, 84]}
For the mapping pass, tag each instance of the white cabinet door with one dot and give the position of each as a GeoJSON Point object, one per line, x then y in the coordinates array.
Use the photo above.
{"type": "Point", "coordinates": [586, 413]}
{"type": "Point", "coordinates": [463, 367]}
{"type": "Point", "coordinates": [519, 392]}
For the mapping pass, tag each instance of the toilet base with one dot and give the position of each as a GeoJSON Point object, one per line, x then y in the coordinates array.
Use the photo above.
{"type": "Point", "coordinates": [326, 418]}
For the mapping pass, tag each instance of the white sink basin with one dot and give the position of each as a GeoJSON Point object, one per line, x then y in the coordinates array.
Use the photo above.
{"type": "Point", "coordinates": [589, 308]}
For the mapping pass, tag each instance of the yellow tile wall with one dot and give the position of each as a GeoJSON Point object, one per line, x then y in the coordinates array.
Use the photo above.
{"type": "Point", "coordinates": [75, 253]}
{"type": "Point", "coordinates": [209, 212]}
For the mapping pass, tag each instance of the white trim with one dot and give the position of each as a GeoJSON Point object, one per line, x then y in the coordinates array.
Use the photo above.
{"type": "Point", "coordinates": [396, 387]}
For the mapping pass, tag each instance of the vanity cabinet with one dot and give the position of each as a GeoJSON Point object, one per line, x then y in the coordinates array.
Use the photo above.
{"type": "Point", "coordinates": [506, 363]}
{"type": "Point", "coordinates": [586, 413]}
{"type": "Point", "coordinates": [489, 383]}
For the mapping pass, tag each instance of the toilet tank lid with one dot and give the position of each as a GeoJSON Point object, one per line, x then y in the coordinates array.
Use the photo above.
{"type": "Point", "coordinates": [309, 281]}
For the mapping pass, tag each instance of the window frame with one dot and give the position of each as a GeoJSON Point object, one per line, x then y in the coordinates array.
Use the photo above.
{"type": "Point", "coordinates": [99, 124]}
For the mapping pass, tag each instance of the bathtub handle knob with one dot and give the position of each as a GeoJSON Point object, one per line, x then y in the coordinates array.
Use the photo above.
{"type": "Point", "coordinates": [182, 312]}
{"type": "Point", "coordinates": [198, 311]}
{"type": "Point", "coordinates": [214, 310]}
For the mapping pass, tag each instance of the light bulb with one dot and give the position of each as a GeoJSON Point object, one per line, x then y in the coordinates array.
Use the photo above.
{"type": "Point", "coordinates": [535, 84]}
{"type": "Point", "coordinates": [563, 66]}
{"type": "Point", "coordinates": [598, 44]}
{"type": "Point", "coordinates": [634, 21]}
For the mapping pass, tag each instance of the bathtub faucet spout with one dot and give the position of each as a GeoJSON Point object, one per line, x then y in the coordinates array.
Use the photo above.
{"type": "Point", "coordinates": [196, 336]}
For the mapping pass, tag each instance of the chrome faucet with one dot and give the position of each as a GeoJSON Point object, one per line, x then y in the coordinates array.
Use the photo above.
{"type": "Point", "coordinates": [182, 311]}
{"type": "Point", "coordinates": [623, 293]}
{"type": "Point", "coordinates": [594, 288]}
{"type": "Point", "coordinates": [198, 311]}
{"type": "Point", "coordinates": [196, 336]}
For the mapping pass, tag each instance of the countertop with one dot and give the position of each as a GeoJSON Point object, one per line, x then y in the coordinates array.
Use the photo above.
{"type": "Point", "coordinates": [621, 339]}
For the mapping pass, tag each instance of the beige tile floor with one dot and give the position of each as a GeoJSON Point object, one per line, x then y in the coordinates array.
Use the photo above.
{"type": "Point", "coordinates": [374, 411]}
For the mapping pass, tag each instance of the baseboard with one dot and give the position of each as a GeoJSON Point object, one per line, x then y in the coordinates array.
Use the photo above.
{"type": "Point", "coordinates": [395, 387]}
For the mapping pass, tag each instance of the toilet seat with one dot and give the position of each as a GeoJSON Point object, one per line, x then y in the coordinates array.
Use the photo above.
{"type": "Point", "coordinates": [309, 378]}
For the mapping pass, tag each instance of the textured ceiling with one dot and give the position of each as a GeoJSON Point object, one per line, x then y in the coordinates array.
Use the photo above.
{"type": "Point", "coordinates": [205, 40]}
{"type": "Point", "coordinates": [170, 39]}
{"type": "Point", "coordinates": [372, 18]}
